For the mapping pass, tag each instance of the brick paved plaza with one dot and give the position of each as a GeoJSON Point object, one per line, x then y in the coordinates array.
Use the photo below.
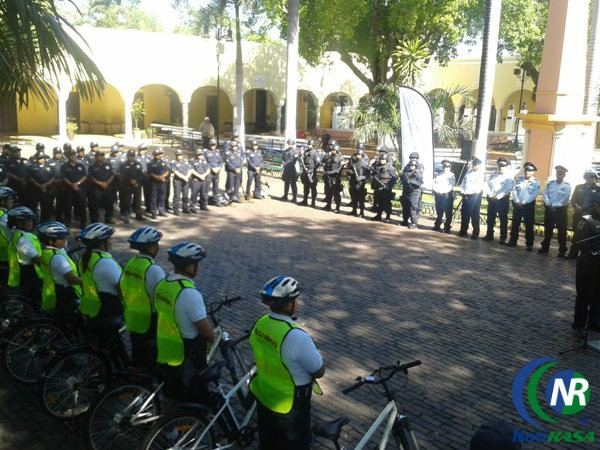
{"type": "Point", "coordinates": [473, 312]}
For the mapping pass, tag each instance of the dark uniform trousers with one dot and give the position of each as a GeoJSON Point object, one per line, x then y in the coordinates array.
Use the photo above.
{"type": "Point", "coordinates": [525, 214]}
{"type": "Point", "coordinates": [181, 382]}
{"type": "Point", "coordinates": [158, 192]}
{"type": "Point", "coordinates": [214, 182]}
{"type": "Point", "coordinates": [101, 199]}
{"type": "Point", "coordinates": [291, 431]}
{"type": "Point", "coordinates": [253, 175]}
{"type": "Point", "coordinates": [577, 217]}
{"type": "Point", "coordinates": [556, 217]}
{"type": "Point", "coordinates": [181, 194]}
{"type": "Point", "coordinates": [233, 182]}
{"type": "Point", "coordinates": [309, 187]}
{"type": "Point", "coordinates": [74, 200]}
{"type": "Point", "coordinates": [147, 189]}
{"type": "Point", "coordinates": [44, 199]}
{"type": "Point", "coordinates": [498, 208]}
{"type": "Point", "coordinates": [290, 179]}
{"type": "Point", "coordinates": [470, 213]}
{"type": "Point", "coordinates": [358, 192]}
{"type": "Point", "coordinates": [587, 283]}
{"type": "Point", "coordinates": [411, 205]}
{"type": "Point", "coordinates": [130, 200]}
{"type": "Point", "coordinates": [384, 202]}
{"type": "Point", "coordinates": [167, 192]}
{"type": "Point", "coordinates": [444, 204]}
{"type": "Point", "coordinates": [334, 182]}
{"type": "Point", "coordinates": [58, 200]}
{"type": "Point", "coordinates": [200, 192]}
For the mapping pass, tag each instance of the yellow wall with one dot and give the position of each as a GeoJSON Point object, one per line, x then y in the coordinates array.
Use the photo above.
{"type": "Point", "coordinates": [302, 106]}
{"type": "Point", "coordinates": [156, 103]}
{"type": "Point", "coordinates": [514, 99]}
{"type": "Point", "coordinates": [37, 120]}
{"type": "Point", "coordinates": [197, 108]}
{"type": "Point", "coordinates": [105, 115]}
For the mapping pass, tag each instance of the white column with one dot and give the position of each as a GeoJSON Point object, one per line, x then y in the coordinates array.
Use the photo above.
{"type": "Point", "coordinates": [279, 118]}
{"type": "Point", "coordinates": [292, 68]}
{"type": "Point", "coordinates": [62, 116]}
{"type": "Point", "coordinates": [128, 119]}
{"type": "Point", "coordinates": [498, 119]}
{"type": "Point", "coordinates": [185, 109]}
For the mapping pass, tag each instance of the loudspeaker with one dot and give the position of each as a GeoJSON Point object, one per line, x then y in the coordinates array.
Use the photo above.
{"type": "Point", "coordinates": [466, 150]}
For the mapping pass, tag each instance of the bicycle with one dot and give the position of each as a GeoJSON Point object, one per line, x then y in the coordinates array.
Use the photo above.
{"type": "Point", "coordinates": [122, 414]}
{"type": "Point", "coordinates": [397, 425]}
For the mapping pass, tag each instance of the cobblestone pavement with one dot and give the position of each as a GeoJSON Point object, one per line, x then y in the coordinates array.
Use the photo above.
{"type": "Point", "coordinates": [473, 312]}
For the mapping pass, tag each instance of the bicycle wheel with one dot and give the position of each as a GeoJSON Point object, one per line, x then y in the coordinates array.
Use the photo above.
{"type": "Point", "coordinates": [237, 368]}
{"type": "Point", "coordinates": [112, 422]}
{"type": "Point", "coordinates": [404, 435]}
{"type": "Point", "coordinates": [12, 310]}
{"type": "Point", "coordinates": [180, 430]}
{"type": "Point", "coordinates": [72, 381]}
{"type": "Point", "coordinates": [30, 348]}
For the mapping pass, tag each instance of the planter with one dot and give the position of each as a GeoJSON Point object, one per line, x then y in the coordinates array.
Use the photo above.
{"type": "Point", "coordinates": [71, 135]}
{"type": "Point", "coordinates": [137, 134]}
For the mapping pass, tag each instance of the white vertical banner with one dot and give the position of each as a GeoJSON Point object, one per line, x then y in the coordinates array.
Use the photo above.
{"type": "Point", "coordinates": [416, 122]}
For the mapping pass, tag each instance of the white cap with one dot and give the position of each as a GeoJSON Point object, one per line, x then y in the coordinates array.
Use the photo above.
{"type": "Point", "coordinates": [207, 118]}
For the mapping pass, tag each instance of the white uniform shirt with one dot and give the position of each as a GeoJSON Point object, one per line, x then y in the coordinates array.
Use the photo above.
{"type": "Point", "coordinates": [443, 182]}
{"type": "Point", "coordinates": [189, 308]}
{"type": "Point", "coordinates": [25, 251]}
{"type": "Point", "coordinates": [299, 353]}
{"type": "Point", "coordinates": [499, 185]}
{"type": "Point", "coordinates": [106, 275]}
{"type": "Point", "coordinates": [59, 267]}
{"type": "Point", "coordinates": [556, 195]}
{"type": "Point", "coordinates": [473, 182]}
{"type": "Point", "coordinates": [4, 225]}
{"type": "Point", "coordinates": [154, 274]}
{"type": "Point", "coordinates": [526, 191]}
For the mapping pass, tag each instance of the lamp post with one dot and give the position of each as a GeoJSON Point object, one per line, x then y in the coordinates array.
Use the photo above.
{"type": "Point", "coordinates": [518, 72]}
{"type": "Point", "coordinates": [222, 29]}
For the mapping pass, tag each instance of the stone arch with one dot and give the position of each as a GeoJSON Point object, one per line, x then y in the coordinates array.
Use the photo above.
{"type": "Point", "coordinates": [306, 111]}
{"type": "Point", "coordinates": [162, 104]}
{"type": "Point", "coordinates": [332, 108]}
{"type": "Point", "coordinates": [207, 101]}
{"type": "Point", "coordinates": [510, 108]}
{"type": "Point", "coordinates": [260, 110]}
{"type": "Point", "coordinates": [104, 115]}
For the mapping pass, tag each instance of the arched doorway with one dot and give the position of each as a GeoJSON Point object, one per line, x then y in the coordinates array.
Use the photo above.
{"type": "Point", "coordinates": [260, 111]}
{"type": "Point", "coordinates": [100, 116]}
{"type": "Point", "coordinates": [510, 109]}
{"type": "Point", "coordinates": [162, 104]}
{"type": "Point", "coordinates": [332, 109]}
{"type": "Point", "coordinates": [206, 103]}
{"type": "Point", "coordinates": [306, 111]}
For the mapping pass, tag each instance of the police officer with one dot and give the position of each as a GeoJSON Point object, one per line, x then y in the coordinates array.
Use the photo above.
{"type": "Point", "coordinates": [332, 174]}
{"type": "Point", "coordinates": [374, 185]}
{"type": "Point", "coordinates": [183, 329]}
{"type": "Point", "coordinates": [116, 160]}
{"type": "Point", "coordinates": [556, 201]}
{"type": "Point", "coordinates": [497, 190]}
{"type": "Point", "coordinates": [41, 180]}
{"type": "Point", "coordinates": [200, 181]}
{"type": "Point", "coordinates": [17, 175]}
{"type": "Point", "coordinates": [524, 195]}
{"type": "Point", "coordinates": [472, 187]}
{"type": "Point", "coordinates": [56, 163]}
{"type": "Point", "coordinates": [144, 158]}
{"type": "Point", "coordinates": [3, 175]}
{"type": "Point", "coordinates": [100, 177]}
{"type": "Point", "coordinates": [158, 172]}
{"type": "Point", "coordinates": [582, 203]}
{"type": "Point", "coordinates": [287, 363]}
{"type": "Point", "coordinates": [73, 175]}
{"type": "Point", "coordinates": [215, 162]}
{"type": "Point", "coordinates": [182, 173]}
{"type": "Point", "coordinates": [91, 156]}
{"type": "Point", "coordinates": [5, 157]}
{"type": "Point", "coordinates": [7, 199]}
{"type": "Point", "coordinates": [587, 301]}
{"type": "Point", "coordinates": [310, 163]}
{"type": "Point", "coordinates": [254, 160]}
{"type": "Point", "coordinates": [358, 171]}
{"type": "Point", "coordinates": [412, 180]}
{"type": "Point", "coordinates": [80, 152]}
{"type": "Point", "coordinates": [385, 176]}
{"type": "Point", "coordinates": [39, 148]}
{"type": "Point", "coordinates": [233, 167]}
{"type": "Point", "coordinates": [290, 174]}
{"type": "Point", "coordinates": [443, 184]}
{"type": "Point", "coordinates": [132, 179]}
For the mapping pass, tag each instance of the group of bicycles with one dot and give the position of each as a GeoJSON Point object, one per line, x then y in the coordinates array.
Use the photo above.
{"type": "Point", "coordinates": [82, 381]}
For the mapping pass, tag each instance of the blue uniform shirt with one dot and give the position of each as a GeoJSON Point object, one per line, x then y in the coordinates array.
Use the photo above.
{"type": "Point", "coordinates": [233, 161]}
{"type": "Point", "coordinates": [213, 158]}
{"type": "Point", "coordinates": [254, 159]}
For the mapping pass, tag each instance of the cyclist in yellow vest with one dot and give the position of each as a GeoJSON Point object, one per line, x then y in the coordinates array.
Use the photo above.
{"type": "Point", "coordinates": [24, 252]}
{"type": "Point", "coordinates": [7, 199]}
{"type": "Point", "coordinates": [287, 363]}
{"type": "Point", "coordinates": [138, 281]}
{"type": "Point", "coordinates": [183, 329]}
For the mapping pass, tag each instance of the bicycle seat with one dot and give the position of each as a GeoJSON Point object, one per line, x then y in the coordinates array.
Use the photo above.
{"type": "Point", "coordinates": [213, 372]}
{"type": "Point", "coordinates": [331, 430]}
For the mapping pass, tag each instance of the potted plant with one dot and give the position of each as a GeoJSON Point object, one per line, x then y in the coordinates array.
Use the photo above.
{"type": "Point", "coordinates": [72, 127]}
{"type": "Point", "coordinates": [150, 133]}
{"type": "Point", "coordinates": [138, 113]}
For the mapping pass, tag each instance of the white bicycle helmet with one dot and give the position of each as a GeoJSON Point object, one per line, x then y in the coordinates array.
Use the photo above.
{"type": "Point", "coordinates": [96, 233]}
{"type": "Point", "coordinates": [144, 236]}
{"type": "Point", "coordinates": [53, 230]}
{"type": "Point", "coordinates": [281, 288]}
{"type": "Point", "coordinates": [21, 213]}
{"type": "Point", "coordinates": [186, 253]}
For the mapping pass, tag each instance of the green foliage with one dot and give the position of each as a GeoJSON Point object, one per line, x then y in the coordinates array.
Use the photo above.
{"type": "Point", "coordinates": [124, 14]}
{"type": "Point", "coordinates": [447, 126]}
{"type": "Point", "coordinates": [409, 61]}
{"type": "Point", "coordinates": [36, 44]}
{"type": "Point", "coordinates": [138, 112]}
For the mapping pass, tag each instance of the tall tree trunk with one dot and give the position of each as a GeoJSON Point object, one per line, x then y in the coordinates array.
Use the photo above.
{"type": "Point", "coordinates": [291, 91]}
{"type": "Point", "coordinates": [493, 9]}
{"type": "Point", "coordinates": [593, 64]}
{"type": "Point", "coordinates": [239, 77]}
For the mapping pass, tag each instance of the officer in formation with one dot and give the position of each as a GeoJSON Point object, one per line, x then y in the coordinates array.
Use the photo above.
{"type": "Point", "coordinates": [472, 188]}
{"type": "Point", "coordinates": [73, 175]}
{"type": "Point", "coordinates": [332, 174]}
{"type": "Point", "coordinates": [384, 176]}
{"type": "Point", "coordinates": [200, 181]}
{"type": "Point", "coordinates": [308, 177]}
{"type": "Point", "coordinates": [215, 162]}
{"type": "Point", "coordinates": [358, 170]}
{"type": "Point", "coordinates": [412, 180]}
{"type": "Point", "coordinates": [158, 172]}
{"type": "Point", "coordinates": [254, 160]}
{"type": "Point", "coordinates": [17, 170]}
{"type": "Point", "coordinates": [374, 186]}
{"type": "Point", "coordinates": [182, 174]}
{"type": "Point", "coordinates": [233, 166]}
{"type": "Point", "coordinates": [524, 194]}
{"type": "Point", "coordinates": [289, 160]}
{"type": "Point", "coordinates": [56, 163]}
{"type": "Point", "coordinates": [101, 175]}
{"type": "Point", "coordinates": [116, 160]}
{"type": "Point", "coordinates": [582, 203]}
{"type": "Point", "coordinates": [143, 157]}
{"type": "Point", "coordinates": [41, 181]}
{"type": "Point", "coordinates": [132, 178]}
{"type": "Point", "coordinates": [556, 202]}
{"type": "Point", "coordinates": [443, 183]}
{"type": "Point", "coordinates": [497, 190]}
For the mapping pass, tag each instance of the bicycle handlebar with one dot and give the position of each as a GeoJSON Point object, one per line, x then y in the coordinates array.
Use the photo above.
{"type": "Point", "coordinates": [216, 306]}
{"type": "Point", "coordinates": [371, 380]}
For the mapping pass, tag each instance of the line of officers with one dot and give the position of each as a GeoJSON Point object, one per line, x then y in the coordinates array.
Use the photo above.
{"type": "Point", "coordinates": [380, 173]}
{"type": "Point", "coordinates": [65, 185]}
{"type": "Point", "coordinates": [524, 190]}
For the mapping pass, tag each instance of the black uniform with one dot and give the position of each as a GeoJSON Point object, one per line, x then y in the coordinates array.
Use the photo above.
{"type": "Point", "coordinates": [290, 172]}
{"type": "Point", "coordinates": [73, 173]}
{"type": "Point", "coordinates": [57, 188]}
{"type": "Point", "coordinates": [308, 177]}
{"type": "Point", "coordinates": [41, 174]}
{"type": "Point", "coordinates": [384, 177]}
{"type": "Point", "coordinates": [233, 162]}
{"type": "Point", "coordinates": [200, 187]}
{"type": "Point", "coordinates": [254, 160]}
{"type": "Point", "coordinates": [158, 189]}
{"type": "Point", "coordinates": [3, 175]}
{"type": "Point", "coordinates": [115, 163]}
{"type": "Point", "coordinates": [17, 167]}
{"type": "Point", "coordinates": [214, 160]}
{"type": "Point", "coordinates": [181, 188]}
{"type": "Point", "coordinates": [358, 171]}
{"type": "Point", "coordinates": [132, 179]}
{"type": "Point", "coordinates": [583, 195]}
{"type": "Point", "coordinates": [332, 174]}
{"type": "Point", "coordinates": [412, 180]}
{"type": "Point", "coordinates": [101, 198]}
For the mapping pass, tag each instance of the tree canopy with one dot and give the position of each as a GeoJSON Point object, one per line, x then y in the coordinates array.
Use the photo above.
{"type": "Point", "coordinates": [124, 14]}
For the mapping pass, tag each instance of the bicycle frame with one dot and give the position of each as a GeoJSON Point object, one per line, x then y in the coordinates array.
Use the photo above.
{"type": "Point", "coordinates": [142, 417]}
{"type": "Point", "coordinates": [215, 346]}
{"type": "Point", "coordinates": [390, 412]}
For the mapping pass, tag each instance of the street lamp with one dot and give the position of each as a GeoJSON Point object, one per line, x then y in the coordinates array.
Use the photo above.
{"type": "Point", "coordinates": [223, 30]}
{"type": "Point", "coordinates": [518, 72]}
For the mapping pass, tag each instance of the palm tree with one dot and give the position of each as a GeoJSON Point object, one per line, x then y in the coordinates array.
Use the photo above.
{"type": "Point", "coordinates": [409, 60]}
{"type": "Point", "coordinates": [447, 125]}
{"type": "Point", "coordinates": [38, 45]}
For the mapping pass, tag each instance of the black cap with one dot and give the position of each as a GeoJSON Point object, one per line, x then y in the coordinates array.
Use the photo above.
{"type": "Point", "coordinates": [99, 153]}
{"type": "Point", "coordinates": [40, 146]}
{"type": "Point", "coordinates": [131, 152]}
{"type": "Point", "coordinates": [496, 435]}
{"type": "Point", "coordinates": [93, 144]}
{"type": "Point", "coordinates": [114, 149]}
{"type": "Point", "coordinates": [67, 146]}
{"type": "Point", "coordinates": [70, 153]}
{"type": "Point", "coordinates": [529, 167]}
{"type": "Point", "coordinates": [212, 141]}
{"type": "Point", "coordinates": [119, 144]}
{"type": "Point", "coordinates": [233, 144]}
{"type": "Point", "coordinates": [14, 148]}
{"type": "Point", "coordinates": [199, 151]}
{"type": "Point", "coordinates": [414, 155]}
{"type": "Point", "coordinates": [7, 147]}
{"type": "Point", "coordinates": [80, 148]}
{"type": "Point", "coordinates": [58, 150]}
{"type": "Point", "coordinates": [158, 151]}
{"type": "Point", "coordinates": [561, 169]}
{"type": "Point", "coordinates": [502, 162]}
{"type": "Point", "coordinates": [254, 143]}
{"type": "Point", "coordinates": [142, 147]}
{"type": "Point", "coordinates": [179, 153]}
{"type": "Point", "coordinates": [39, 156]}
{"type": "Point", "coordinates": [447, 162]}
{"type": "Point", "coordinates": [382, 150]}
{"type": "Point", "coordinates": [476, 161]}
